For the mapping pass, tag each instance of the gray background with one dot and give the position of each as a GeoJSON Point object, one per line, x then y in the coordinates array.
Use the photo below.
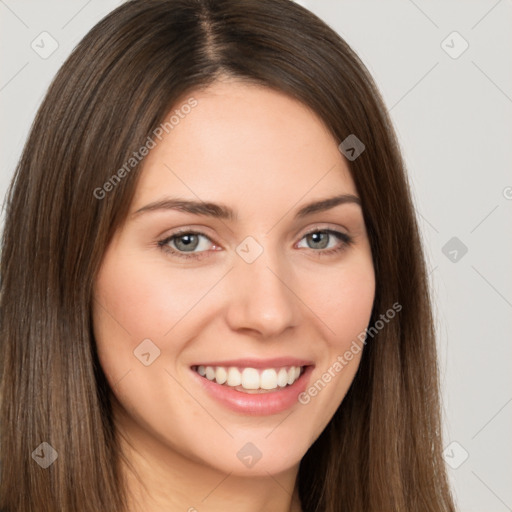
{"type": "Point", "coordinates": [453, 115]}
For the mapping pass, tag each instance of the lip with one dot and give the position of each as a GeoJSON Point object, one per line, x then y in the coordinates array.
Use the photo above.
{"type": "Point", "coordinates": [276, 362]}
{"type": "Point", "coordinates": [257, 404]}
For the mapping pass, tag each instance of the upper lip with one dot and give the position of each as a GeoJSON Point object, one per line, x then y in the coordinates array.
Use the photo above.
{"type": "Point", "coordinates": [276, 362]}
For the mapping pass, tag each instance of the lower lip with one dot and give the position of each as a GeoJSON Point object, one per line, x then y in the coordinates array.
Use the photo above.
{"type": "Point", "coordinates": [257, 404]}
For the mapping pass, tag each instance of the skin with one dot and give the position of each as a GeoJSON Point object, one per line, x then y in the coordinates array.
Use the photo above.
{"type": "Point", "coordinates": [265, 155]}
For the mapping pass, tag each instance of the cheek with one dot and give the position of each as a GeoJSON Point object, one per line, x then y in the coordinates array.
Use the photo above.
{"type": "Point", "coordinates": [350, 309]}
{"type": "Point", "coordinates": [143, 298]}
{"type": "Point", "coordinates": [350, 304]}
{"type": "Point", "coordinates": [343, 298]}
{"type": "Point", "coordinates": [138, 297]}
{"type": "Point", "coordinates": [136, 301]}
{"type": "Point", "coordinates": [126, 311]}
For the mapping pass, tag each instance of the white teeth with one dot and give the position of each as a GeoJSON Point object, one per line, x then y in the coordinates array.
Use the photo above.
{"type": "Point", "coordinates": [282, 378]}
{"type": "Point", "coordinates": [268, 379]}
{"type": "Point", "coordinates": [251, 378]}
{"type": "Point", "coordinates": [234, 377]}
{"type": "Point", "coordinates": [221, 375]}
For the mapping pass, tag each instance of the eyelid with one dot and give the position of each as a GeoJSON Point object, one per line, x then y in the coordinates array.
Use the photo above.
{"type": "Point", "coordinates": [163, 243]}
{"type": "Point", "coordinates": [324, 227]}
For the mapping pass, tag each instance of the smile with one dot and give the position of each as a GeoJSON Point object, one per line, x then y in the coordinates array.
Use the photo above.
{"type": "Point", "coordinates": [251, 380]}
{"type": "Point", "coordinates": [254, 387]}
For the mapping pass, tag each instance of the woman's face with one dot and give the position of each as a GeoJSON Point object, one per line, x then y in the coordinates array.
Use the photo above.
{"type": "Point", "coordinates": [270, 287]}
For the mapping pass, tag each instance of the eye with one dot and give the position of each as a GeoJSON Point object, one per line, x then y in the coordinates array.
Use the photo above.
{"type": "Point", "coordinates": [191, 242]}
{"type": "Point", "coordinates": [326, 241]}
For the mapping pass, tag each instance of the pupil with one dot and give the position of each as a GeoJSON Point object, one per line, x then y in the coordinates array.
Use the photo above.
{"type": "Point", "coordinates": [317, 239]}
{"type": "Point", "coordinates": [187, 241]}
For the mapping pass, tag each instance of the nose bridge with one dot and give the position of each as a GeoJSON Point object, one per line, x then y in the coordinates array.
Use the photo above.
{"type": "Point", "coordinates": [262, 299]}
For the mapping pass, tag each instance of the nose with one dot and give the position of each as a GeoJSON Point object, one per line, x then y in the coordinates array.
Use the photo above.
{"type": "Point", "coordinates": [261, 296]}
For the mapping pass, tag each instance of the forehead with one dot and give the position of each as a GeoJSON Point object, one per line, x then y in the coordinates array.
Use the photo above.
{"type": "Point", "coordinates": [244, 144]}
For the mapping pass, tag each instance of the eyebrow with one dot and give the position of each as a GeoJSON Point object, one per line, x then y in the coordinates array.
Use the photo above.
{"type": "Point", "coordinates": [221, 211]}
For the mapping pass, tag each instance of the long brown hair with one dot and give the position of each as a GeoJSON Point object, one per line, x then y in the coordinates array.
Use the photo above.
{"type": "Point", "coordinates": [381, 451]}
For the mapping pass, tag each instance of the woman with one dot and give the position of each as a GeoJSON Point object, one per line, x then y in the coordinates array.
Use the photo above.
{"type": "Point", "coordinates": [213, 290]}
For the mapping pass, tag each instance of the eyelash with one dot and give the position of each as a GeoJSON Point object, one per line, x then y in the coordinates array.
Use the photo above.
{"type": "Point", "coordinates": [346, 241]}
